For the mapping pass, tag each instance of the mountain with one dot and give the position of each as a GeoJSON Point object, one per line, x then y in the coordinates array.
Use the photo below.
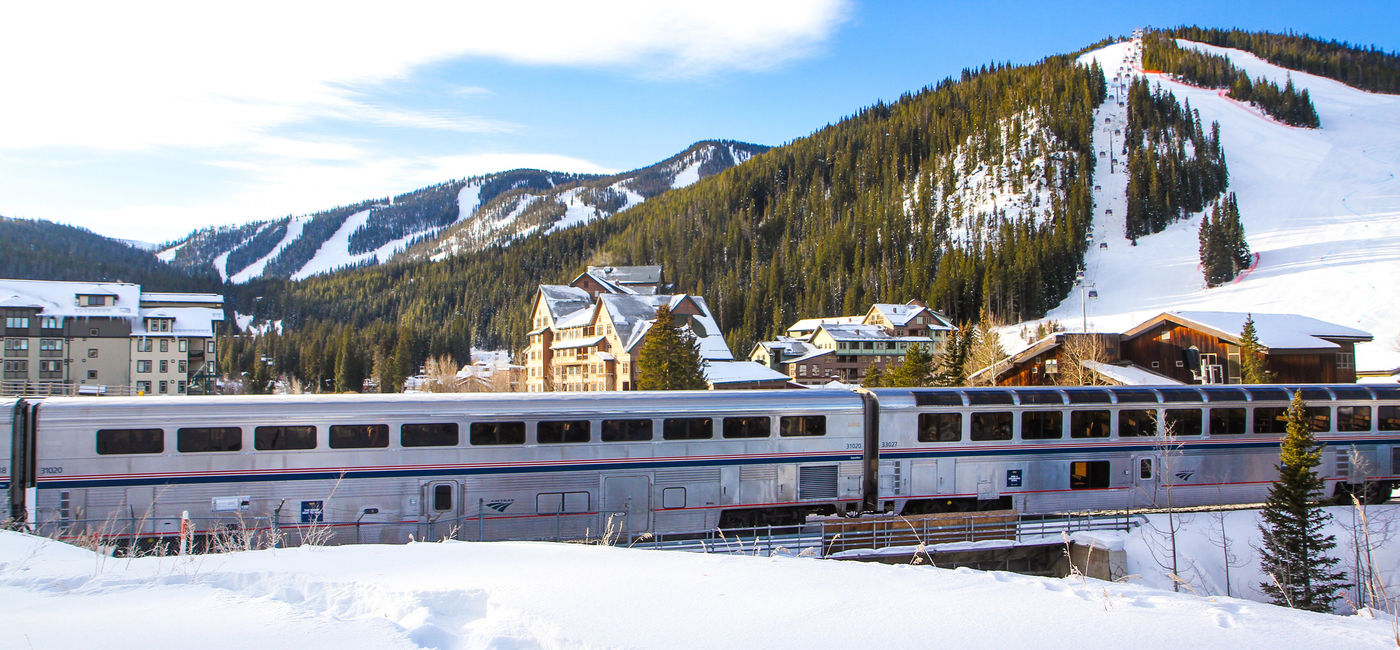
{"type": "Point", "coordinates": [442, 220]}
{"type": "Point", "coordinates": [32, 249]}
{"type": "Point", "coordinates": [1320, 207]}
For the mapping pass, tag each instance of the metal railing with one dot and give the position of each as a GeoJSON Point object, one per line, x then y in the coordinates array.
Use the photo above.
{"type": "Point", "coordinates": [826, 537]}
{"type": "Point", "coordinates": [45, 388]}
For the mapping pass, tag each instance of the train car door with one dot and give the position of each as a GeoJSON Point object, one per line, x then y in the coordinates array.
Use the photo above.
{"type": "Point", "coordinates": [1144, 483]}
{"type": "Point", "coordinates": [627, 500]}
{"type": "Point", "coordinates": [947, 476]}
{"type": "Point", "coordinates": [441, 512]}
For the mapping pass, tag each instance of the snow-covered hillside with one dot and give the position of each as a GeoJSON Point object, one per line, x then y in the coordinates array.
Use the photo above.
{"type": "Point", "coordinates": [1321, 207]}
{"type": "Point", "coordinates": [530, 595]}
{"type": "Point", "coordinates": [443, 220]}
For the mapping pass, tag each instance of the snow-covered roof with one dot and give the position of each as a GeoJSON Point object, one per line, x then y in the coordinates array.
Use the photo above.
{"type": "Point", "coordinates": [739, 372]}
{"type": "Point", "coordinates": [650, 274]}
{"type": "Point", "coordinates": [1275, 331]}
{"type": "Point", "coordinates": [1130, 375]}
{"type": "Point", "coordinates": [810, 353]}
{"type": "Point", "coordinates": [61, 298]}
{"type": "Point", "coordinates": [868, 333]}
{"type": "Point", "coordinates": [632, 316]}
{"type": "Point", "coordinates": [187, 321]}
{"type": "Point", "coordinates": [898, 315]}
{"type": "Point", "coordinates": [811, 324]}
{"type": "Point", "coordinates": [576, 343]}
{"type": "Point", "coordinates": [562, 301]}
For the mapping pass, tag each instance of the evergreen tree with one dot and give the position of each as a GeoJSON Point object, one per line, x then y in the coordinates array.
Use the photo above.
{"type": "Point", "coordinates": [349, 368]}
{"type": "Point", "coordinates": [670, 357]}
{"type": "Point", "coordinates": [914, 371]}
{"type": "Point", "coordinates": [1294, 555]}
{"type": "Point", "coordinates": [1252, 366]}
{"type": "Point", "coordinates": [952, 362]}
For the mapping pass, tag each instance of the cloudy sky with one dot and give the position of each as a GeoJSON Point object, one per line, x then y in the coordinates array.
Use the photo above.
{"type": "Point", "coordinates": [147, 120]}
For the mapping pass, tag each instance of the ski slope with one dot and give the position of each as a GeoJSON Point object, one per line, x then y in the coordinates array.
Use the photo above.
{"type": "Point", "coordinates": [1321, 208]}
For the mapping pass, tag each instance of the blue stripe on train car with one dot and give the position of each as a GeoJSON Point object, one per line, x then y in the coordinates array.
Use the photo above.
{"type": "Point", "coordinates": [430, 472]}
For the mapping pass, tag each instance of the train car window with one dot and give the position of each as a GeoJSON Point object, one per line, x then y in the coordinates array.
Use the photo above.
{"type": "Point", "coordinates": [1089, 424]}
{"type": "Point", "coordinates": [672, 497]}
{"type": "Point", "coordinates": [626, 430]}
{"type": "Point", "coordinates": [1353, 418]}
{"type": "Point", "coordinates": [1218, 394]}
{"type": "Point", "coordinates": [1268, 394]}
{"type": "Point", "coordinates": [940, 427]}
{"type": "Point", "coordinates": [982, 397]}
{"type": "Point", "coordinates": [687, 429]}
{"type": "Point", "coordinates": [747, 427]}
{"type": "Point", "coordinates": [1385, 392]}
{"type": "Point", "coordinates": [195, 439]}
{"type": "Point", "coordinates": [1351, 392]}
{"type": "Point", "coordinates": [802, 425]}
{"type": "Point", "coordinates": [1395, 460]}
{"type": "Point", "coordinates": [130, 441]}
{"type": "Point", "coordinates": [562, 432]}
{"type": "Point", "coordinates": [284, 438]}
{"type": "Point", "coordinates": [1145, 468]}
{"type": "Point", "coordinates": [1183, 422]}
{"type": "Point", "coordinates": [991, 426]}
{"type": "Point", "coordinates": [1135, 396]}
{"type": "Point", "coordinates": [1270, 419]}
{"type": "Point", "coordinates": [498, 433]}
{"type": "Point", "coordinates": [565, 503]}
{"type": "Point", "coordinates": [1040, 397]}
{"type": "Point", "coordinates": [442, 497]}
{"type": "Point", "coordinates": [938, 398]}
{"type": "Point", "coordinates": [1313, 394]}
{"type": "Point", "coordinates": [359, 436]}
{"type": "Point", "coordinates": [1226, 421]}
{"type": "Point", "coordinates": [1088, 475]}
{"type": "Point", "coordinates": [1388, 419]}
{"type": "Point", "coordinates": [429, 434]}
{"type": "Point", "coordinates": [1180, 395]}
{"type": "Point", "coordinates": [1137, 423]}
{"type": "Point", "coordinates": [1088, 396]}
{"type": "Point", "coordinates": [1320, 417]}
{"type": "Point", "coordinates": [1042, 425]}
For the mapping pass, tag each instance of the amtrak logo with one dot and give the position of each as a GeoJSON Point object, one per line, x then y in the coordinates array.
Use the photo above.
{"type": "Point", "coordinates": [1185, 476]}
{"type": "Point", "coordinates": [501, 505]}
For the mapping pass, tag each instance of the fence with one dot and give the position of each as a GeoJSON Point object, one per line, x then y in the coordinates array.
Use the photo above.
{"type": "Point", "coordinates": [817, 537]}
{"type": "Point", "coordinates": [30, 388]}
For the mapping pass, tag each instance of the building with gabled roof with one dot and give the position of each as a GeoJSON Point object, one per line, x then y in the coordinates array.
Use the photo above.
{"type": "Point", "coordinates": [587, 335]}
{"type": "Point", "coordinates": [106, 338]}
{"type": "Point", "coordinates": [816, 351]}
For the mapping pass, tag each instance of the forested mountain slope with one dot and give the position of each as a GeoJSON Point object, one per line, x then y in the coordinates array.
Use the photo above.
{"type": "Point", "coordinates": [43, 250]}
{"type": "Point", "coordinates": [442, 220]}
{"type": "Point", "coordinates": [975, 193]}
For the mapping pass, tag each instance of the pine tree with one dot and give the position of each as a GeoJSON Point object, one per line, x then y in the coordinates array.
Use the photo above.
{"type": "Point", "coordinates": [952, 362]}
{"type": "Point", "coordinates": [670, 357]}
{"type": "Point", "coordinates": [1294, 554]}
{"type": "Point", "coordinates": [915, 370]}
{"type": "Point", "coordinates": [1252, 367]}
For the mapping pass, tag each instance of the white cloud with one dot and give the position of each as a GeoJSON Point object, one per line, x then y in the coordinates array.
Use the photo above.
{"type": "Point", "coordinates": [130, 76]}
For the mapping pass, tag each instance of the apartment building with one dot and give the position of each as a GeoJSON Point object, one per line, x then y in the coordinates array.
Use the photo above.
{"type": "Point", "coordinates": [106, 338]}
{"type": "Point", "coordinates": [586, 336]}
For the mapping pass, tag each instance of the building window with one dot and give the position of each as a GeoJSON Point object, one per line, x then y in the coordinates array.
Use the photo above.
{"type": "Point", "coordinates": [17, 322]}
{"type": "Point", "coordinates": [164, 387]}
{"type": "Point", "coordinates": [95, 301]}
{"type": "Point", "coordinates": [143, 387]}
{"type": "Point", "coordinates": [165, 345]}
{"type": "Point", "coordinates": [143, 365]}
{"type": "Point", "coordinates": [50, 345]}
{"type": "Point", "coordinates": [164, 365]}
{"type": "Point", "coordinates": [1346, 360]}
{"type": "Point", "coordinates": [209, 347]}
{"type": "Point", "coordinates": [144, 345]}
{"type": "Point", "coordinates": [92, 353]}
{"type": "Point", "coordinates": [16, 347]}
{"type": "Point", "coordinates": [182, 366]}
{"type": "Point", "coordinates": [92, 374]}
{"type": "Point", "coordinates": [184, 346]}
{"type": "Point", "coordinates": [50, 323]}
{"type": "Point", "coordinates": [16, 369]}
{"type": "Point", "coordinates": [180, 387]}
{"type": "Point", "coordinates": [92, 331]}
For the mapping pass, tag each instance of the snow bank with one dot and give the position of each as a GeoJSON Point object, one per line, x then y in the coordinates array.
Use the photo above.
{"type": "Point", "coordinates": [469, 595]}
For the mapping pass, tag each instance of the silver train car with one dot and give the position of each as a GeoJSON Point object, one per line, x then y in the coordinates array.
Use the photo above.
{"type": "Point", "coordinates": [569, 465]}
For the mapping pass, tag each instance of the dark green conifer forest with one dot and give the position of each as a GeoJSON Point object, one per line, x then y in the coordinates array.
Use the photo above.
{"type": "Point", "coordinates": [1287, 104]}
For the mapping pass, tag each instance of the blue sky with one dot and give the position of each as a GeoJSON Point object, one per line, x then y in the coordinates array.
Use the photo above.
{"type": "Point", "coordinates": [148, 121]}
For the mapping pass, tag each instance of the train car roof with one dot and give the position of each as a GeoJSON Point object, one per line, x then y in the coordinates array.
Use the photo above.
{"type": "Point", "coordinates": [533, 404]}
{"type": "Point", "coordinates": [1089, 395]}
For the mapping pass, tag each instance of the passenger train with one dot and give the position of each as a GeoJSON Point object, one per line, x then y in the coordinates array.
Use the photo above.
{"type": "Point", "coordinates": [567, 465]}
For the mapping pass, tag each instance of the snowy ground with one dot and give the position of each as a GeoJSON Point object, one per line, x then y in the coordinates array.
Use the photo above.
{"type": "Point", "coordinates": [1321, 207]}
{"type": "Point", "coordinates": [527, 595]}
